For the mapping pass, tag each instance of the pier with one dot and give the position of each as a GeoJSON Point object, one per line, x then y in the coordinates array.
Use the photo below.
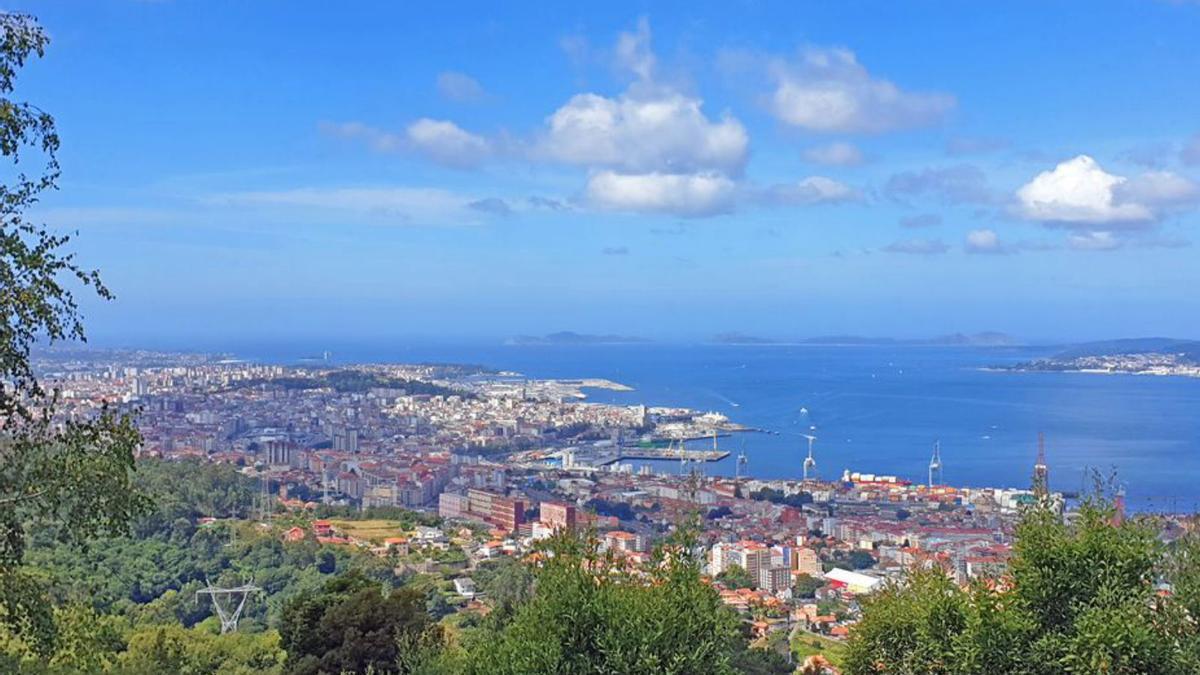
{"type": "Point", "coordinates": [667, 454]}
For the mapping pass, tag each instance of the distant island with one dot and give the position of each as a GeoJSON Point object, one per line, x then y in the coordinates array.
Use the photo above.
{"type": "Point", "coordinates": [736, 338]}
{"type": "Point", "coordinates": [984, 339]}
{"type": "Point", "coordinates": [571, 338]}
{"type": "Point", "coordinates": [1134, 356]}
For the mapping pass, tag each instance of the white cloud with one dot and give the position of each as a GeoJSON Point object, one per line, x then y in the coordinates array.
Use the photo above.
{"type": "Point", "coordinates": [827, 90]}
{"type": "Point", "coordinates": [648, 129]}
{"type": "Point", "coordinates": [1158, 188]}
{"type": "Point", "coordinates": [662, 132]}
{"type": "Point", "coordinates": [633, 51]}
{"type": "Point", "coordinates": [984, 241]}
{"type": "Point", "coordinates": [1093, 241]}
{"type": "Point", "coordinates": [651, 148]}
{"type": "Point", "coordinates": [440, 141]}
{"type": "Point", "coordinates": [377, 139]}
{"type": "Point", "coordinates": [446, 143]}
{"type": "Point", "coordinates": [835, 154]}
{"type": "Point", "coordinates": [700, 194]}
{"type": "Point", "coordinates": [459, 87]}
{"type": "Point", "coordinates": [811, 190]}
{"type": "Point", "coordinates": [1079, 193]}
{"type": "Point", "coordinates": [1107, 240]}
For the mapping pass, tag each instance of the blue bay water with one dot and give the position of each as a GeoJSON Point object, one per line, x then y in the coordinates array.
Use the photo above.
{"type": "Point", "coordinates": [880, 409]}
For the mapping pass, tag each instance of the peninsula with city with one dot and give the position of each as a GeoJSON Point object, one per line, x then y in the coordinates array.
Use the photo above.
{"type": "Point", "coordinates": [1138, 356]}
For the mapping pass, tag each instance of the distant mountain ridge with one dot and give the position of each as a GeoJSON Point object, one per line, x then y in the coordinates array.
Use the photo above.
{"type": "Point", "coordinates": [1150, 345]}
{"type": "Point", "coordinates": [572, 338]}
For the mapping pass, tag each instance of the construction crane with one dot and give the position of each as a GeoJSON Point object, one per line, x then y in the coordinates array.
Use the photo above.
{"type": "Point", "coordinates": [264, 494]}
{"type": "Point", "coordinates": [810, 463]}
{"type": "Point", "coordinates": [740, 467]}
{"type": "Point", "coordinates": [1041, 472]}
{"type": "Point", "coordinates": [935, 465]}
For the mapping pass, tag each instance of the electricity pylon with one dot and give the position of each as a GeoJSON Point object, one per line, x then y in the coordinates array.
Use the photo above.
{"type": "Point", "coordinates": [228, 615]}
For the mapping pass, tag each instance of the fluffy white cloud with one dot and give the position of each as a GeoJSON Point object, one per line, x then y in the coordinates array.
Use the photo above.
{"type": "Point", "coordinates": [1079, 193]}
{"type": "Point", "coordinates": [658, 132]}
{"type": "Point", "coordinates": [828, 90]}
{"type": "Point", "coordinates": [835, 154]}
{"type": "Point", "coordinates": [459, 87]}
{"type": "Point", "coordinates": [811, 190]}
{"type": "Point", "coordinates": [446, 143]}
{"type": "Point", "coordinates": [699, 194]}
{"type": "Point", "coordinates": [649, 149]}
{"type": "Point", "coordinates": [984, 241]}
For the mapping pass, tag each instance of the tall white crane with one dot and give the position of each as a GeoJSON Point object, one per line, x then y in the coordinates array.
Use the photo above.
{"type": "Point", "coordinates": [810, 463]}
{"type": "Point", "coordinates": [935, 465]}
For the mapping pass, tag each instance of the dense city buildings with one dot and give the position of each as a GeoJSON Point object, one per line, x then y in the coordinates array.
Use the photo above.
{"type": "Point", "coordinates": [523, 459]}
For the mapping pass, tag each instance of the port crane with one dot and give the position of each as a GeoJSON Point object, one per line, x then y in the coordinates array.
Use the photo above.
{"type": "Point", "coordinates": [810, 463]}
{"type": "Point", "coordinates": [935, 465]}
{"type": "Point", "coordinates": [740, 467]}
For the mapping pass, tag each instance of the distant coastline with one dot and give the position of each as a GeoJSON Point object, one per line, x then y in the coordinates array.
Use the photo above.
{"type": "Point", "coordinates": [1164, 357]}
{"type": "Point", "coordinates": [984, 339]}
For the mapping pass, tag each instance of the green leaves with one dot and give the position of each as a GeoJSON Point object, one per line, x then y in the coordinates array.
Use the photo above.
{"type": "Point", "coordinates": [1081, 597]}
{"type": "Point", "coordinates": [591, 613]}
{"type": "Point", "coordinates": [353, 625]}
{"type": "Point", "coordinates": [71, 476]}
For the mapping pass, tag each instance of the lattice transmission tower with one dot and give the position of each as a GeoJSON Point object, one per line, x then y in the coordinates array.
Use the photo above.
{"type": "Point", "coordinates": [223, 602]}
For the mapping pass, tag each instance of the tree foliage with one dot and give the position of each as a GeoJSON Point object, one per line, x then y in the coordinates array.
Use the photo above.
{"type": "Point", "coordinates": [174, 650]}
{"type": "Point", "coordinates": [736, 577]}
{"type": "Point", "coordinates": [72, 476]}
{"type": "Point", "coordinates": [806, 586]}
{"type": "Point", "coordinates": [590, 613]}
{"type": "Point", "coordinates": [353, 625]}
{"type": "Point", "coordinates": [1080, 597]}
{"type": "Point", "coordinates": [151, 576]}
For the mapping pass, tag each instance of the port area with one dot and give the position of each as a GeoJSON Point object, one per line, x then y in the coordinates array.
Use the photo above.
{"type": "Point", "coordinates": [608, 457]}
{"type": "Point", "coordinates": [659, 449]}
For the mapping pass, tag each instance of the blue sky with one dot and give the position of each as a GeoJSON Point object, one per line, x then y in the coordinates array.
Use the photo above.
{"type": "Point", "coordinates": [285, 170]}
